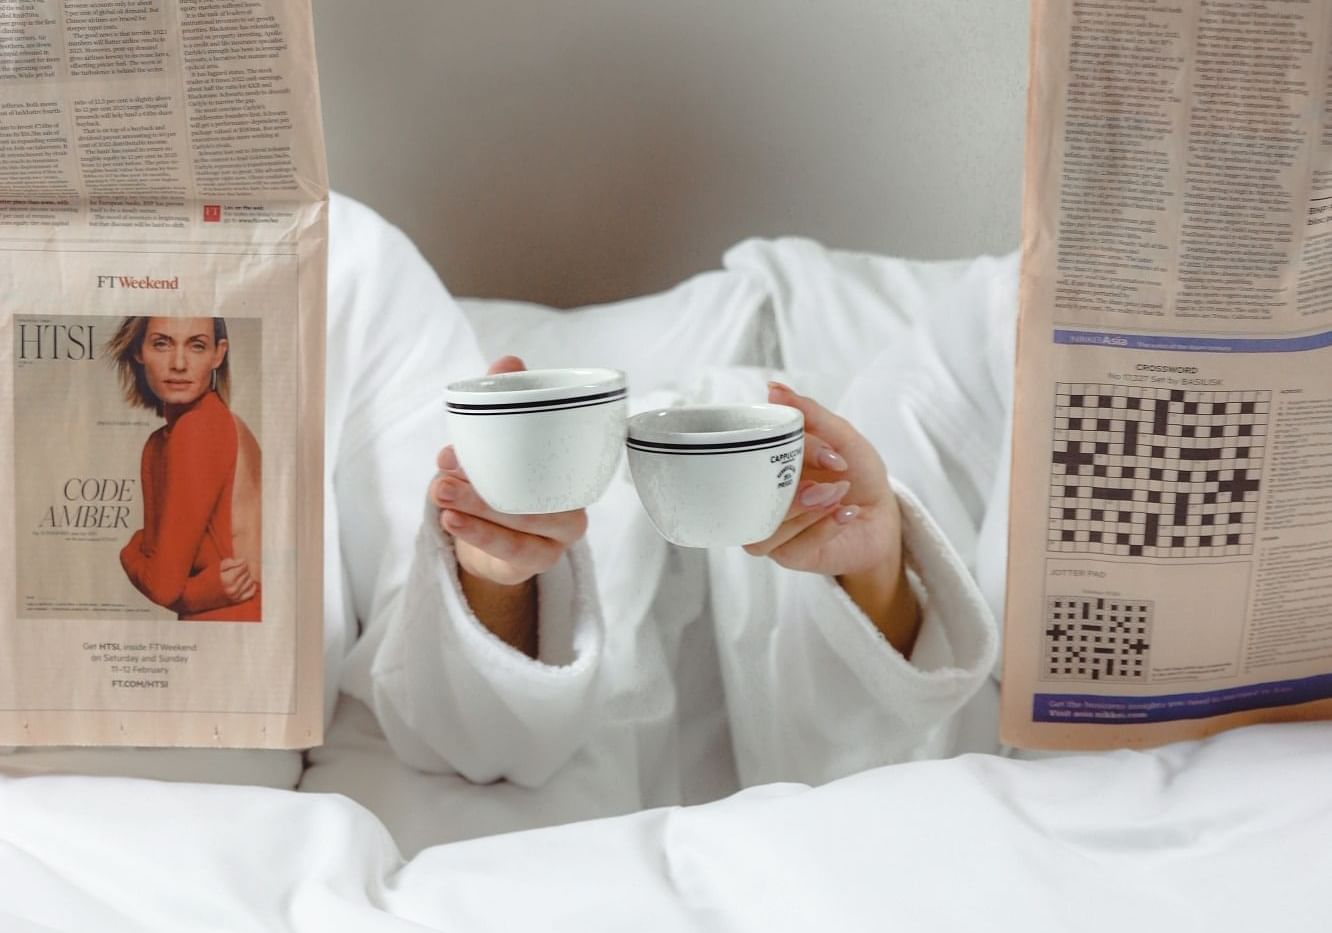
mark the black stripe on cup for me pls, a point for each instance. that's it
(522, 408)
(696, 450)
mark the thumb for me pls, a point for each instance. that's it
(506, 364)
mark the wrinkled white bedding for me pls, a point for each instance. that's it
(1228, 834)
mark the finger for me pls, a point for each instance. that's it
(453, 492)
(249, 593)
(820, 455)
(833, 430)
(506, 364)
(790, 528)
(229, 563)
(531, 554)
(815, 496)
(447, 459)
(804, 549)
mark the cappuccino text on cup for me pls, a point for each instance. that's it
(716, 475)
(540, 441)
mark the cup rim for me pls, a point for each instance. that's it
(786, 425)
(502, 393)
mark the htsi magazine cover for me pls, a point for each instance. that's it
(139, 467)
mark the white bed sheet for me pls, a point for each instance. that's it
(1227, 834)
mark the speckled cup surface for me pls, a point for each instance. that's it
(716, 475)
(541, 441)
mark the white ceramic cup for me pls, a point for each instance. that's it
(541, 441)
(716, 475)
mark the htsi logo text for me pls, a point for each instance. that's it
(40, 340)
(129, 281)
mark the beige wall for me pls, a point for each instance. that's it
(570, 151)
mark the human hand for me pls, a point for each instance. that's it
(495, 546)
(844, 518)
(237, 583)
(845, 521)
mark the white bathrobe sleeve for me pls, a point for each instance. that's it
(814, 692)
(448, 694)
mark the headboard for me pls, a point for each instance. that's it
(588, 150)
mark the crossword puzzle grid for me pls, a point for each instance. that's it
(1144, 472)
(1096, 639)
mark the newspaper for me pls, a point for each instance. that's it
(1170, 550)
(163, 248)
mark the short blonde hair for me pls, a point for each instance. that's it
(128, 341)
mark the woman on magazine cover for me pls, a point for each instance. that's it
(198, 553)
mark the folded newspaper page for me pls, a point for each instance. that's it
(163, 242)
(1170, 550)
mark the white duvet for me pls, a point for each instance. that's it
(1234, 833)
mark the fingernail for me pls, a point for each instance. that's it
(847, 514)
(449, 458)
(781, 387)
(453, 520)
(830, 459)
(823, 494)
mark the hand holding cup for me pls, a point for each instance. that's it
(501, 547)
(844, 518)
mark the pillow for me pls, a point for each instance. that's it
(713, 319)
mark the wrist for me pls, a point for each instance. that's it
(508, 610)
(884, 594)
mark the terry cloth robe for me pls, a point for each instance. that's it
(665, 676)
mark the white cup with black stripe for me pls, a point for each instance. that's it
(716, 475)
(539, 441)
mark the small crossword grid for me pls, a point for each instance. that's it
(1144, 472)
(1088, 638)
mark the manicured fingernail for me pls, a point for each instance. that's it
(816, 495)
(830, 459)
(823, 494)
(847, 514)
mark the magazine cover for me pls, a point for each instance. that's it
(158, 499)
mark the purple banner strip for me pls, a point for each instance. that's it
(1195, 344)
(1086, 708)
